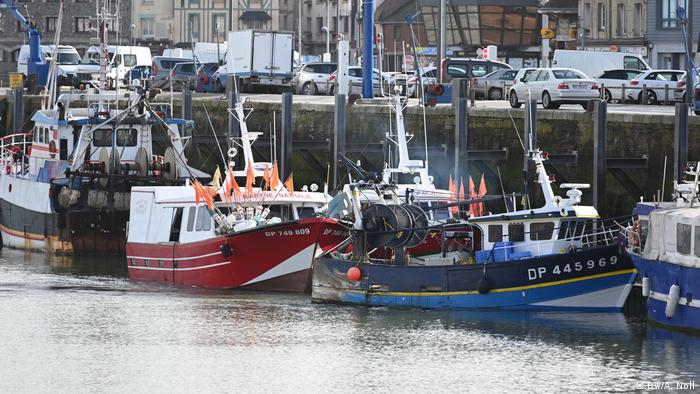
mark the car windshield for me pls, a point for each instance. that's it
(68, 58)
(567, 74)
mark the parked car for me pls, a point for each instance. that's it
(67, 62)
(121, 60)
(553, 87)
(659, 84)
(679, 94)
(612, 81)
(183, 76)
(142, 73)
(355, 76)
(493, 85)
(428, 75)
(469, 68)
(206, 82)
(161, 66)
(312, 78)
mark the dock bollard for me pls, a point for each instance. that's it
(622, 94)
(602, 92)
(665, 94)
(644, 94)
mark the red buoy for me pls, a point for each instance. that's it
(354, 274)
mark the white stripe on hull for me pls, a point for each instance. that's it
(173, 259)
(178, 269)
(596, 299)
(298, 262)
(681, 300)
(13, 241)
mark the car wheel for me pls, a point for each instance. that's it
(330, 90)
(513, 100)
(309, 89)
(607, 96)
(651, 97)
(495, 94)
(547, 101)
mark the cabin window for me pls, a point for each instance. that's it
(305, 212)
(125, 137)
(175, 225)
(516, 232)
(190, 218)
(541, 231)
(683, 238)
(203, 220)
(644, 229)
(696, 248)
(495, 233)
(565, 229)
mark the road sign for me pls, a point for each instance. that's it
(408, 60)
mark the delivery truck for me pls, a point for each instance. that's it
(260, 60)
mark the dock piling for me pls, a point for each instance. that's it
(186, 103)
(460, 102)
(286, 139)
(680, 141)
(600, 133)
(339, 137)
(18, 110)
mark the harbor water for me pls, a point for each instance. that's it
(78, 325)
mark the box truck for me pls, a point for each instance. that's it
(259, 59)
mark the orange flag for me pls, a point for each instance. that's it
(482, 193)
(266, 178)
(275, 177)
(453, 191)
(289, 184)
(233, 185)
(473, 209)
(461, 190)
(198, 192)
(208, 200)
(249, 179)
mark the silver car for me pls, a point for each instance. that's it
(312, 78)
(553, 87)
(355, 76)
(492, 86)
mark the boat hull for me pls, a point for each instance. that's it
(661, 276)
(28, 221)
(271, 258)
(596, 280)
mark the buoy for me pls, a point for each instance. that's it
(354, 274)
(672, 300)
(483, 286)
(645, 286)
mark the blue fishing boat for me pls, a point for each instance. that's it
(560, 256)
(664, 244)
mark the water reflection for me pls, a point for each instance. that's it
(80, 324)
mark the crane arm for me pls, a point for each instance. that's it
(34, 64)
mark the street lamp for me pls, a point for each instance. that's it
(328, 38)
(133, 27)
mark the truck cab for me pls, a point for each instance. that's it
(68, 61)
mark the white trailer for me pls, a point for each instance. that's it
(260, 58)
(595, 63)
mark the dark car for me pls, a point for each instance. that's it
(469, 68)
(142, 73)
(207, 79)
(183, 76)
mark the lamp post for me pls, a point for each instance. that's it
(328, 41)
(133, 41)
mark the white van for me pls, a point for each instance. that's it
(121, 60)
(68, 62)
(595, 63)
(207, 52)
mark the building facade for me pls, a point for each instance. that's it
(666, 48)
(210, 20)
(617, 25)
(397, 35)
(317, 14)
(76, 27)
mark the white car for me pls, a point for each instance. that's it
(553, 87)
(355, 76)
(612, 81)
(656, 82)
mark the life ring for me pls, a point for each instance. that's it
(634, 233)
(52, 149)
(437, 90)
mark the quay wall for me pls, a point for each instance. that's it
(648, 138)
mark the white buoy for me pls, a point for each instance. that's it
(672, 300)
(645, 286)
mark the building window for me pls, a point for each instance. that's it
(638, 19)
(601, 17)
(621, 19)
(147, 28)
(319, 23)
(218, 27)
(586, 18)
(193, 27)
(668, 12)
(51, 23)
(82, 24)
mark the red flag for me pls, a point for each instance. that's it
(266, 177)
(275, 177)
(453, 191)
(482, 193)
(249, 179)
(473, 210)
(289, 184)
